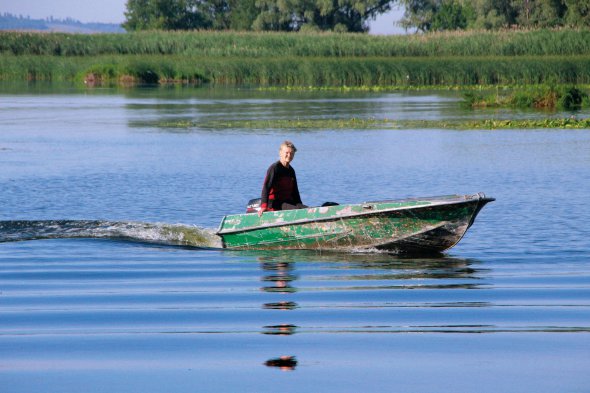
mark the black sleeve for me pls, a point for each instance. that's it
(266, 186)
(296, 196)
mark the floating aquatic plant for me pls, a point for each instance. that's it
(372, 123)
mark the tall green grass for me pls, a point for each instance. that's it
(543, 97)
(263, 45)
(289, 59)
(292, 71)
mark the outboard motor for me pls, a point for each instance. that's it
(253, 205)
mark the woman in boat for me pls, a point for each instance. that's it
(280, 191)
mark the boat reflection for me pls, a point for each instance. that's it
(283, 258)
(366, 287)
(317, 280)
(377, 266)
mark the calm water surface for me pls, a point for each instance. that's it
(121, 310)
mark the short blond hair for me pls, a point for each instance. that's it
(288, 144)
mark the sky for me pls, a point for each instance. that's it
(112, 11)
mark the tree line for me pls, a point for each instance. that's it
(440, 15)
(255, 15)
(352, 15)
(9, 21)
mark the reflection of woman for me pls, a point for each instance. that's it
(280, 191)
(281, 279)
(285, 363)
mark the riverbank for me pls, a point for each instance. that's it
(283, 59)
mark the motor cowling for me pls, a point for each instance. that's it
(253, 205)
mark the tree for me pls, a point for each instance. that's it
(436, 15)
(427, 15)
(167, 15)
(322, 15)
(242, 14)
(282, 15)
(492, 14)
(419, 14)
(539, 13)
(452, 16)
(577, 13)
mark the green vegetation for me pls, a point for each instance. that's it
(352, 15)
(438, 15)
(292, 71)
(566, 42)
(287, 59)
(259, 15)
(542, 97)
(372, 123)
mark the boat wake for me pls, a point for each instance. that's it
(153, 233)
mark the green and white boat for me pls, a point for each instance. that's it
(417, 225)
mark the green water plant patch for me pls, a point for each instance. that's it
(540, 97)
(370, 123)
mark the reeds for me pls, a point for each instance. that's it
(231, 44)
(539, 97)
(289, 59)
(301, 71)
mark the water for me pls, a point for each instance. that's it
(123, 292)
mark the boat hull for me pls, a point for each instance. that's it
(406, 226)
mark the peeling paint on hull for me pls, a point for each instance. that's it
(421, 225)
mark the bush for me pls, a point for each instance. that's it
(572, 98)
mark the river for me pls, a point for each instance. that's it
(94, 296)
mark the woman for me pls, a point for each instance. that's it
(280, 191)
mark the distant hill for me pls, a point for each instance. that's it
(69, 25)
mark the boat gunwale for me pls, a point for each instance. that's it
(436, 201)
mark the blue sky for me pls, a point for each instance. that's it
(111, 11)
